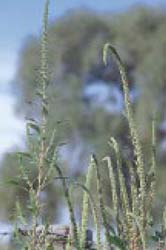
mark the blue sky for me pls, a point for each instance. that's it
(18, 19)
(21, 17)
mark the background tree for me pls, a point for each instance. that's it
(75, 64)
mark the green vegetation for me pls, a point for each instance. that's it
(123, 202)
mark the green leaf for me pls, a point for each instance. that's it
(155, 238)
(49, 247)
(39, 93)
(31, 120)
(45, 109)
(34, 126)
(118, 242)
(24, 154)
(14, 182)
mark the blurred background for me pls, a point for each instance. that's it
(86, 99)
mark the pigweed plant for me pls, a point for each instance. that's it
(127, 227)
